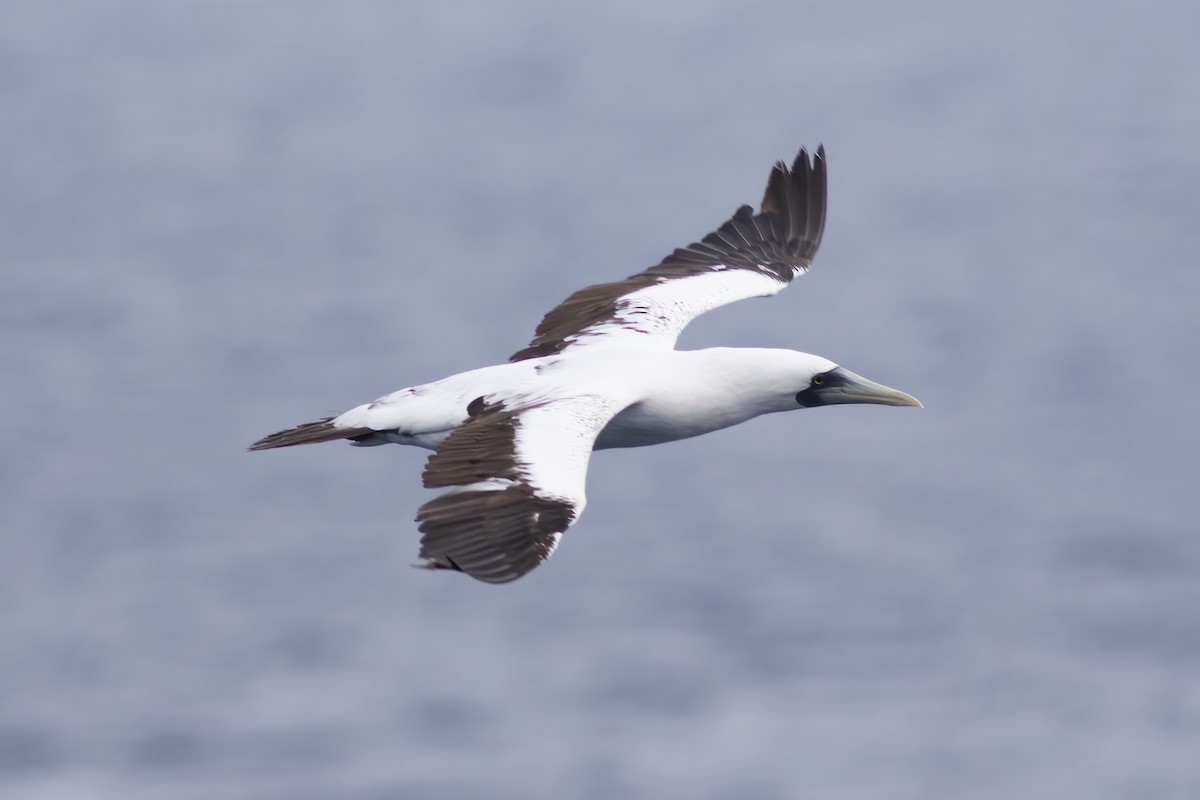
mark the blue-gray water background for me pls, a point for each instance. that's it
(220, 218)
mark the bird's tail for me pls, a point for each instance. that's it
(309, 433)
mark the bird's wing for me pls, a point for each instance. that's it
(751, 255)
(519, 475)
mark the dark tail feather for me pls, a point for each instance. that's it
(309, 433)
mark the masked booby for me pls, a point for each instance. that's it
(512, 441)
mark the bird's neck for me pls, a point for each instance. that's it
(700, 391)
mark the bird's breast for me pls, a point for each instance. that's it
(650, 422)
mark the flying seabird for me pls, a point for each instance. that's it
(511, 442)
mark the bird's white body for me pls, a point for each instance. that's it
(663, 395)
(511, 442)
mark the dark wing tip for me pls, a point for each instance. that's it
(495, 535)
(795, 202)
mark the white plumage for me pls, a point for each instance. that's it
(512, 441)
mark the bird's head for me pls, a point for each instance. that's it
(780, 380)
(826, 384)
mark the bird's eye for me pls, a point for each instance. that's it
(818, 380)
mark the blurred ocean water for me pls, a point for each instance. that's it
(218, 219)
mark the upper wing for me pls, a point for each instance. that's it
(751, 255)
(521, 475)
